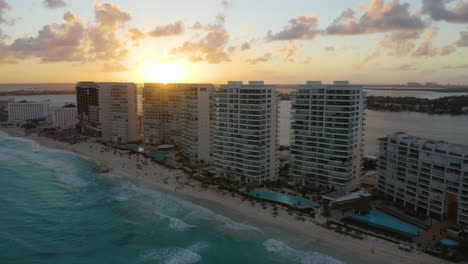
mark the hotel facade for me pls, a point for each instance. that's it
(428, 176)
(327, 129)
(123, 112)
(23, 110)
(195, 121)
(108, 110)
(88, 108)
(161, 113)
(178, 114)
(64, 117)
(245, 132)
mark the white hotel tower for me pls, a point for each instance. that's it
(327, 128)
(426, 175)
(245, 132)
(123, 112)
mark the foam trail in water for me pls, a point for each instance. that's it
(175, 255)
(303, 257)
(175, 223)
(174, 206)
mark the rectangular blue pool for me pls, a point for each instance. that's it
(387, 222)
(159, 156)
(449, 243)
(295, 201)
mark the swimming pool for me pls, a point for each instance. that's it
(449, 243)
(295, 201)
(132, 147)
(159, 156)
(381, 220)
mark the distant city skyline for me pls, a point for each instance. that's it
(367, 41)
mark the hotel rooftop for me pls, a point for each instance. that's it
(428, 144)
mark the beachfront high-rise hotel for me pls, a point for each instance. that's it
(108, 110)
(245, 132)
(427, 176)
(179, 114)
(327, 128)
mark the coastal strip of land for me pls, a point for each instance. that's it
(137, 167)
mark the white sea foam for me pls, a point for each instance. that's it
(175, 223)
(179, 208)
(63, 171)
(175, 255)
(304, 257)
(121, 198)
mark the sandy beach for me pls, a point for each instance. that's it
(137, 167)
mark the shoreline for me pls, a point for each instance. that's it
(135, 167)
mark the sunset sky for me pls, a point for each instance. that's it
(278, 41)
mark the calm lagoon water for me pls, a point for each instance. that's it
(56, 209)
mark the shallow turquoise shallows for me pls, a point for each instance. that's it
(55, 209)
(295, 201)
(379, 219)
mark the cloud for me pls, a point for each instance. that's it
(4, 8)
(110, 16)
(329, 48)
(6, 55)
(463, 41)
(307, 60)
(374, 55)
(136, 36)
(3, 36)
(303, 27)
(176, 28)
(114, 67)
(290, 51)
(105, 43)
(438, 10)
(211, 45)
(243, 47)
(379, 17)
(454, 67)
(426, 49)
(406, 67)
(55, 42)
(404, 43)
(54, 3)
(400, 43)
(264, 58)
(74, 39)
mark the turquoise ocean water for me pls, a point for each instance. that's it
(55, 209)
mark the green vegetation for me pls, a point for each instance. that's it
(455, 105)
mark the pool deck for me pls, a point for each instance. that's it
(291, 200)
(385, 221)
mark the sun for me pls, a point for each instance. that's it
(157, 71)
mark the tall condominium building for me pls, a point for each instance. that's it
(108, 110)
(327, 128)
(161, 113)
(195, 121)
(24, 110)
(87, 98)
(245, 132)
(123, 112)
(64, 117)
(178, 114)
(428, 176)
